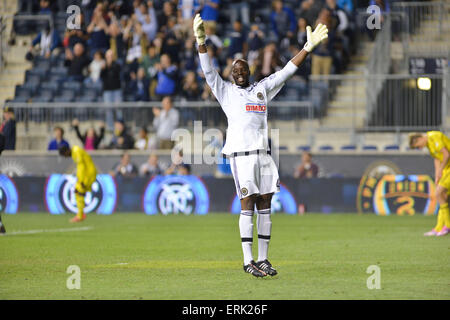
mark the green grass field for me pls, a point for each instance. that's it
(134, 256)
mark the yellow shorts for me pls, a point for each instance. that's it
(445, 180)
(85, 185)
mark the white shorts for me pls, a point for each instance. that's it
(254, 174)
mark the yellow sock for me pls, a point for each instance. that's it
(443, 214)
(80, 205)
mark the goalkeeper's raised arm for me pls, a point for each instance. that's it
(313, 39)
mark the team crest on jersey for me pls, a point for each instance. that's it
(255, 108)
(244, 191)
(260, 96)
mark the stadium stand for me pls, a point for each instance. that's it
(338, 100)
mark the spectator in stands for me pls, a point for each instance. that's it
(189, 56)
(165, 122)
(125, 168)
(48, 41)
(255, 44)
(112, 89)
(58, 140)
(283, 21)
(238, 41)
(163, 17)
(347, 5)
(309, 10)
(76, 62)
(74, 36)
(268, 62)
(307, 169)
(116, 41)
(139, 86)
(178, 167)
(8, 129)
(136, 41)
(97, 30)
(121, 139)
(186, 11)
(44, 7)
(322, 56)
(95, 68)
(151, 167)
(146, 16)
(149, 60)
(301, 32)
(210, 12)
(142, 143)
(91, 139)
(240, 10)
(172, 41)
(166, 77)
(191, 90)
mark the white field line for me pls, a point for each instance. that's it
(47, 230)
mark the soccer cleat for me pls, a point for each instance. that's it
(266, 267)
(2, 229)
(443, 232)
(252, 269)
(430, 233)
(76, 219)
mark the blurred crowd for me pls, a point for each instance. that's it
(145, 50)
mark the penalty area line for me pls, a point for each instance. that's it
(47, 230)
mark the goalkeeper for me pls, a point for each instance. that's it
(86, 175)
(254, 171)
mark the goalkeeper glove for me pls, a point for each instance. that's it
(314, 38)
(199, 30)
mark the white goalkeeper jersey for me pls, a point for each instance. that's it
(245, 108)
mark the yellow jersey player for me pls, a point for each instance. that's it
(86, 175)
(439, 146)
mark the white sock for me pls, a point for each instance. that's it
(246, 231)
(264, 225)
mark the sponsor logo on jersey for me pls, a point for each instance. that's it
(255, 108)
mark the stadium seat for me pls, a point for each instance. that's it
(370, 148)
(66, 95)
(391, 147)
(50, 85)
(349, 147)
(43, 95)
(22, 91)
(326, 148)
(72, 85)
(303, 148)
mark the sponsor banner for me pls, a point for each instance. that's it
(282, 201)
(60, 194)
(176, 194)
(397, 194)
(9, 198)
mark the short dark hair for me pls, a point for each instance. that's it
(63, 150)
(60, 129)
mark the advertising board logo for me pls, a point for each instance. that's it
(9, 198)
(397, 194)
(282, 201)
(176, 194)
(60, 194)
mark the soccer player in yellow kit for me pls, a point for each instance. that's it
(439, 146)
(86, 175)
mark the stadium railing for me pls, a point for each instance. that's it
(403, 102)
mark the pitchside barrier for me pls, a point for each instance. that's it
(189, 195)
